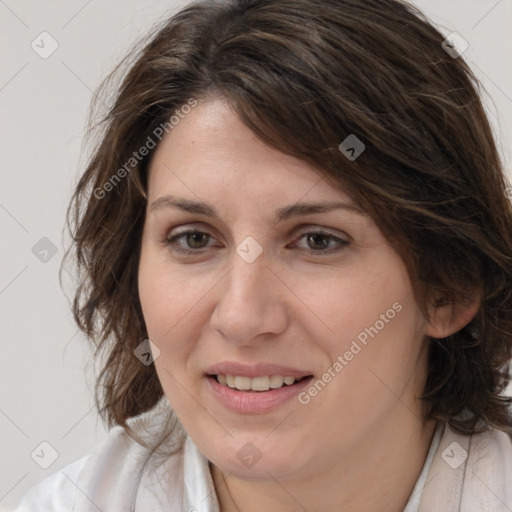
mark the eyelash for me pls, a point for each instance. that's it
(172, 242)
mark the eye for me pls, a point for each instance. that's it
(195, 241)
(320, 240)
(193, 237)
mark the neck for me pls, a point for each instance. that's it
(376, 476)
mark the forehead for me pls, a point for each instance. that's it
(211, 149)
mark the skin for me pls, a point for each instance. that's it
(361, 443)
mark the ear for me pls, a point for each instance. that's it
(448, 317)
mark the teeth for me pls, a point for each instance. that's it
(260, 384)
(243, 383)
(255, 384)
(276, 381)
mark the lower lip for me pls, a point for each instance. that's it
(253, 402)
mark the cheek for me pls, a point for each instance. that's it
(165, 304)
(374, 327)
(346, 305)
(174, 314)
(368, 381)
(165, 296)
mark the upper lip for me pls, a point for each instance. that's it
(255, 370)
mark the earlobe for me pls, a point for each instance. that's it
(448, 317)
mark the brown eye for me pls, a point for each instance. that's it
(194, 241)
(318, 242)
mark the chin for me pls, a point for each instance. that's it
(252, 464)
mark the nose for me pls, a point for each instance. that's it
(251, 301)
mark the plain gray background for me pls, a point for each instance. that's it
(45, 395)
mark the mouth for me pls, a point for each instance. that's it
(255, 389)
(259, 384)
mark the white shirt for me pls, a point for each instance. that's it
(461, 473)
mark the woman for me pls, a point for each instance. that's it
(295, 253)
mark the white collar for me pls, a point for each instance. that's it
(199, 490)
(483, 481)
(109, 478)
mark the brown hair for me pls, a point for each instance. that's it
(303, 75)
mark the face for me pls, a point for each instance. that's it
(247, 291)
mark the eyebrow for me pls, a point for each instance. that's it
(282, 214)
